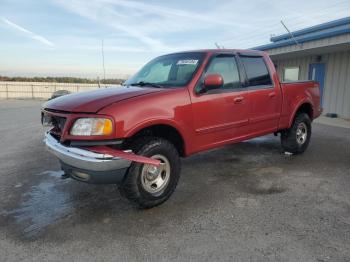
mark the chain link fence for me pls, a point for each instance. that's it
(41, 90)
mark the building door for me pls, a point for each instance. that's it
(317, 73)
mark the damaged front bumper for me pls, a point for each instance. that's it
(97, 165)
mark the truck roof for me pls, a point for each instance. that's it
(225, 50)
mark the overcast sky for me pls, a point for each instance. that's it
(63, 37)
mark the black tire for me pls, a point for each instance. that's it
(289, 138)
(133, 187)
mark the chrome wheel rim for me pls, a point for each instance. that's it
(155, 178)
(301, 133)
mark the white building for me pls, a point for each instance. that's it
(320, 53)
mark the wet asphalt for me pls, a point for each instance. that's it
(243, 202)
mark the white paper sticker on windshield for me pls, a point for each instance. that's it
(187, 62)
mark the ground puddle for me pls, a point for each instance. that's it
(43, 205)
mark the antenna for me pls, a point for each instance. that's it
(290, 33)
(103, 63)
(218, 46)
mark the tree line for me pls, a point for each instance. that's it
(75, 80)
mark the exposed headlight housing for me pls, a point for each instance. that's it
(92, 127)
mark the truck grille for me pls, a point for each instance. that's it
(58, 123)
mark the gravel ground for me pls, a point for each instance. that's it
(243, 202)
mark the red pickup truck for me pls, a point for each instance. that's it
(176, 105)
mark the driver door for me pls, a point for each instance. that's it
(221, 115)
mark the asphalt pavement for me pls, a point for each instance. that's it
(243, 202)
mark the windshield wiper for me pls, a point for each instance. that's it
(142, 83)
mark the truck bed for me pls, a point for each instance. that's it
(291, 93)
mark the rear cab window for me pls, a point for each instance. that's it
(256, 71)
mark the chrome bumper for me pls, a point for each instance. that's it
(84, 159)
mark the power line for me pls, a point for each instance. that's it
(254, 35)
(266, 32)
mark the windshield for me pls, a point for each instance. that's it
(168, 70)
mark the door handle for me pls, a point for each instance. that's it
(238, 99)
(272, 94)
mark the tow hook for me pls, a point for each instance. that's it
(65, 176)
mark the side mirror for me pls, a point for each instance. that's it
(213, 81)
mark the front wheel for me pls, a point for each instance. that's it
(149, 185)
(297, 138)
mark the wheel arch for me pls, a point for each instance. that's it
(164, 129)
(303, 107)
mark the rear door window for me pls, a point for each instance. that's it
(256, 70)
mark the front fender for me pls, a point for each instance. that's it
(153, 122)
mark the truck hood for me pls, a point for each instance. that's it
(93, 101)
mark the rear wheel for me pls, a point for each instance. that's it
(297, 138)
(149, 185)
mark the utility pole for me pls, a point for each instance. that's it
(103, 63)
(98, 82)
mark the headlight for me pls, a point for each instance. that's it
(92, 127)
